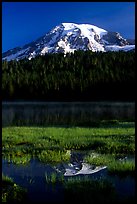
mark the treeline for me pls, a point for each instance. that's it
(82, 76)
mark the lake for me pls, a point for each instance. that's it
(58, 113)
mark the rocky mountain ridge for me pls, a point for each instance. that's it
(68, 37)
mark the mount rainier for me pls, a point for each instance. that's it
(68, 37)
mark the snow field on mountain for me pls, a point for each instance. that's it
(68, 37)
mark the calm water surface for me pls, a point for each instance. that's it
(58, 113)
(32, 177)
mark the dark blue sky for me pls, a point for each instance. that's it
(23, 22)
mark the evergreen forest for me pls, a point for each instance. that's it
(78, 76)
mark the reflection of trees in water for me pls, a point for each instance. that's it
(65, 114)
(8, 115)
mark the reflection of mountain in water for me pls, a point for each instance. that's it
(32, 177)
(78, 169)
(77, 166)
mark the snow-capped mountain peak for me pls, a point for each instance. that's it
(68, 37)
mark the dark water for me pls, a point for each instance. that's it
(32, 177)
(72, 113)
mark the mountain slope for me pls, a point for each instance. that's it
(68, 37)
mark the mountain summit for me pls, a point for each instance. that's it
(68, 37)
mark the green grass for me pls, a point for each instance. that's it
(53, 144)
(121, 167)
(105, 143)
(20, 158)
(11, 192)
(99, 159)
(54, 178)
(51, 156)
(6, 179)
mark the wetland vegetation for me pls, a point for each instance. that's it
(11, 192)
(53, 150)
(54, 143)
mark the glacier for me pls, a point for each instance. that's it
(68, 37)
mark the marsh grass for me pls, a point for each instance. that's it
(17, 157)
(7, 179)
(54, 178)
(121, 167)
(99, 159)
(51, 144)
(82, 189)
(109, 141)
(24, 159)
(89, 190)
(11, 192)
(54, 156)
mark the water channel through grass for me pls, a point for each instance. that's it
(61, 164)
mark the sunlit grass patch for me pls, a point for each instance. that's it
(24, 159)
(53, 156)
(122, 168)
(17, 157)
(113, 146)
(99, 159)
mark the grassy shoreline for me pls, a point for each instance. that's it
(53, 144)
(107, 143)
